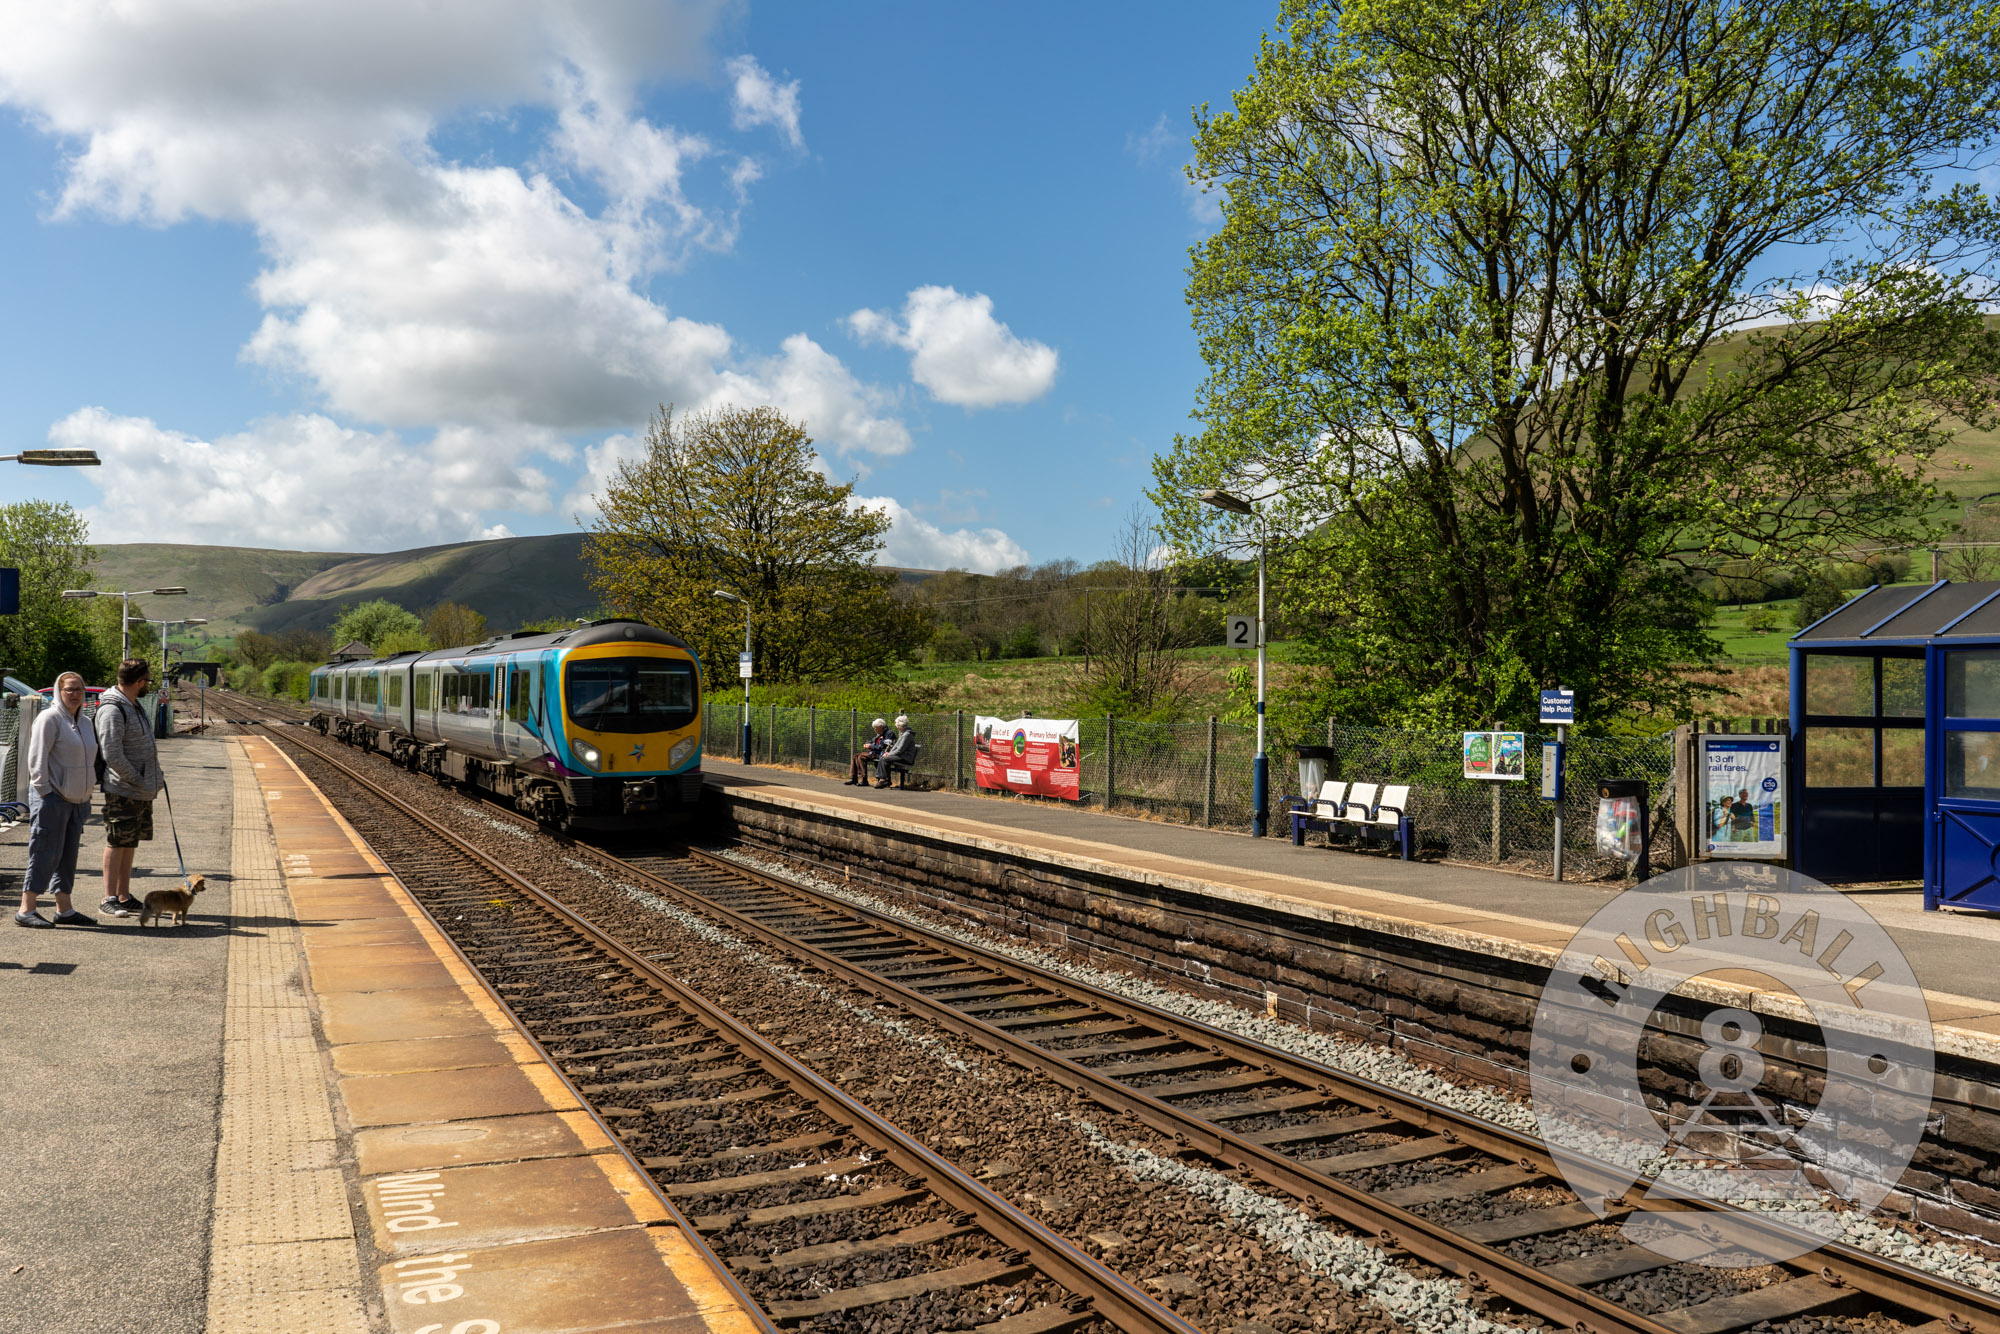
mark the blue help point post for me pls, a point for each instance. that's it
(1558, 707)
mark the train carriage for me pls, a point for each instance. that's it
(598, 727)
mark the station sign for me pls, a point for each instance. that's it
(1242, 632)
(743, 668)
(1559, 706)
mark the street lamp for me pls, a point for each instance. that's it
(125, 617)
(1260, 767)
(746, 667)
(55, 458)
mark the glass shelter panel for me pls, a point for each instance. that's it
(1902, 755)
(1841, 685)
(1902, 691)
(1840, 756)
(1972, 683)
(1972, 765)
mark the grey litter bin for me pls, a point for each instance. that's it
(1315, 767)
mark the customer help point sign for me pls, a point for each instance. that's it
(1037, 756)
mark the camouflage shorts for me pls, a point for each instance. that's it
(127, 822)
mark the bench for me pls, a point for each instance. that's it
(899, 770)
(1357, 809)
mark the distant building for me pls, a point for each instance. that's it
(353, 652)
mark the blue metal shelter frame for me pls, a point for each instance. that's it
(1895, 720)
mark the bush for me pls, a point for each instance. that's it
(1760, 620)
(287, 678)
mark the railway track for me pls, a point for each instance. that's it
(1420, 1178)
(745, 1144)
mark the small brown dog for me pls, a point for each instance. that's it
(176, 901)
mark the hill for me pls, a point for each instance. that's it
(508, 580)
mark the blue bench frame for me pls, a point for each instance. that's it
(1300, 809)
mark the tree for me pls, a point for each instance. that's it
(50, 544)
(257, 649)
(303, 645)
(1138, 627)
(1523, 319)
(453, 625)
(733, 499)
(382, 625)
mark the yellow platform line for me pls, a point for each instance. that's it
(282, 1248)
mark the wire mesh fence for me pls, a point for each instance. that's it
(1200, 774)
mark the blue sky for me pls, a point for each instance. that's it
(369, 276)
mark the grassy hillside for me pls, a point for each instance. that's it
(509, 580)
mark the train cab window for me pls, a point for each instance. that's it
(630, 694)
(395, 692)
(420, 691)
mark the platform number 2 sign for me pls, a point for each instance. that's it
(1242, 632)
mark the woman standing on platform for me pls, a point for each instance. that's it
(62, 763)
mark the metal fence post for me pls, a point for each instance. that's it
(1208, 799)
(853, 734)
(771, 749)
(812, 736)
(958, 748)
(1110, 762)
(1496, 822)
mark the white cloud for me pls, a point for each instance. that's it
(958, 351)
(1148, 147)
(762, 100)
(918, 543)
(299, 482)
(408, 289)
(811, 385)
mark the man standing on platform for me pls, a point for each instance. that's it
(132, 779)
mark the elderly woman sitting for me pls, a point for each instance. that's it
(902, 752)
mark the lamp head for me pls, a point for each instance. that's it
(59, 458)
(1222, 500)
(733, 597)
(166, 592)
(78, 594)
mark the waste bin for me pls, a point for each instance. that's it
(1624, 822)
(163, 719)
(1315, 767)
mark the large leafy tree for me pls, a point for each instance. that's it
(734, 499)
(382, 625)
(50, 544)
(1525, 315)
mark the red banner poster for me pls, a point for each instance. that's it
(1037, 756)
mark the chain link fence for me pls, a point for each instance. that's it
(1200, 774)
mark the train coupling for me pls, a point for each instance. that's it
(642, 796)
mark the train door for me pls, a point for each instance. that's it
(498, 713)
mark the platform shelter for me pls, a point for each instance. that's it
(1895, 702)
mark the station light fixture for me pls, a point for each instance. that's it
(55, 458)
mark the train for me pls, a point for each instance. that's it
(596, 727)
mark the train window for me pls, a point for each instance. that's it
(395, 692)
(420, 693)
(518, 679)
(371, 689)
(630, 694)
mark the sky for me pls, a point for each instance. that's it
(373, 275)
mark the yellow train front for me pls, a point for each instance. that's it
(593, 728)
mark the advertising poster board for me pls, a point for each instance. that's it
(1034, 756)
(1496, 755)
(1742, 796)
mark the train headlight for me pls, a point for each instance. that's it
(682, 752)
(586, 754)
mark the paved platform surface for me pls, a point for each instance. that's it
(1952, 953)
(301, 1111)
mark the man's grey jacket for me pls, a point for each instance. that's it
(125, 740)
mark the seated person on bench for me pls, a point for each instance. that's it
(857, 769)
(902, 752)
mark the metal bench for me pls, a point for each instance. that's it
(1357, 808)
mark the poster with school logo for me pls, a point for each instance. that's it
(1034, 756)
(1743, 796)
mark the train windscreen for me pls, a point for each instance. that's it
(630, 694)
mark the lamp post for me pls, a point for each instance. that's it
(55, 458)
(1260, 766)
(746, 667)
(191, 620)
(125, 617)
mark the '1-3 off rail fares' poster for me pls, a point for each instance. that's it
(1037, 756)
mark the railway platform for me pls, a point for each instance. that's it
(302, 1110)
(1495, 911)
